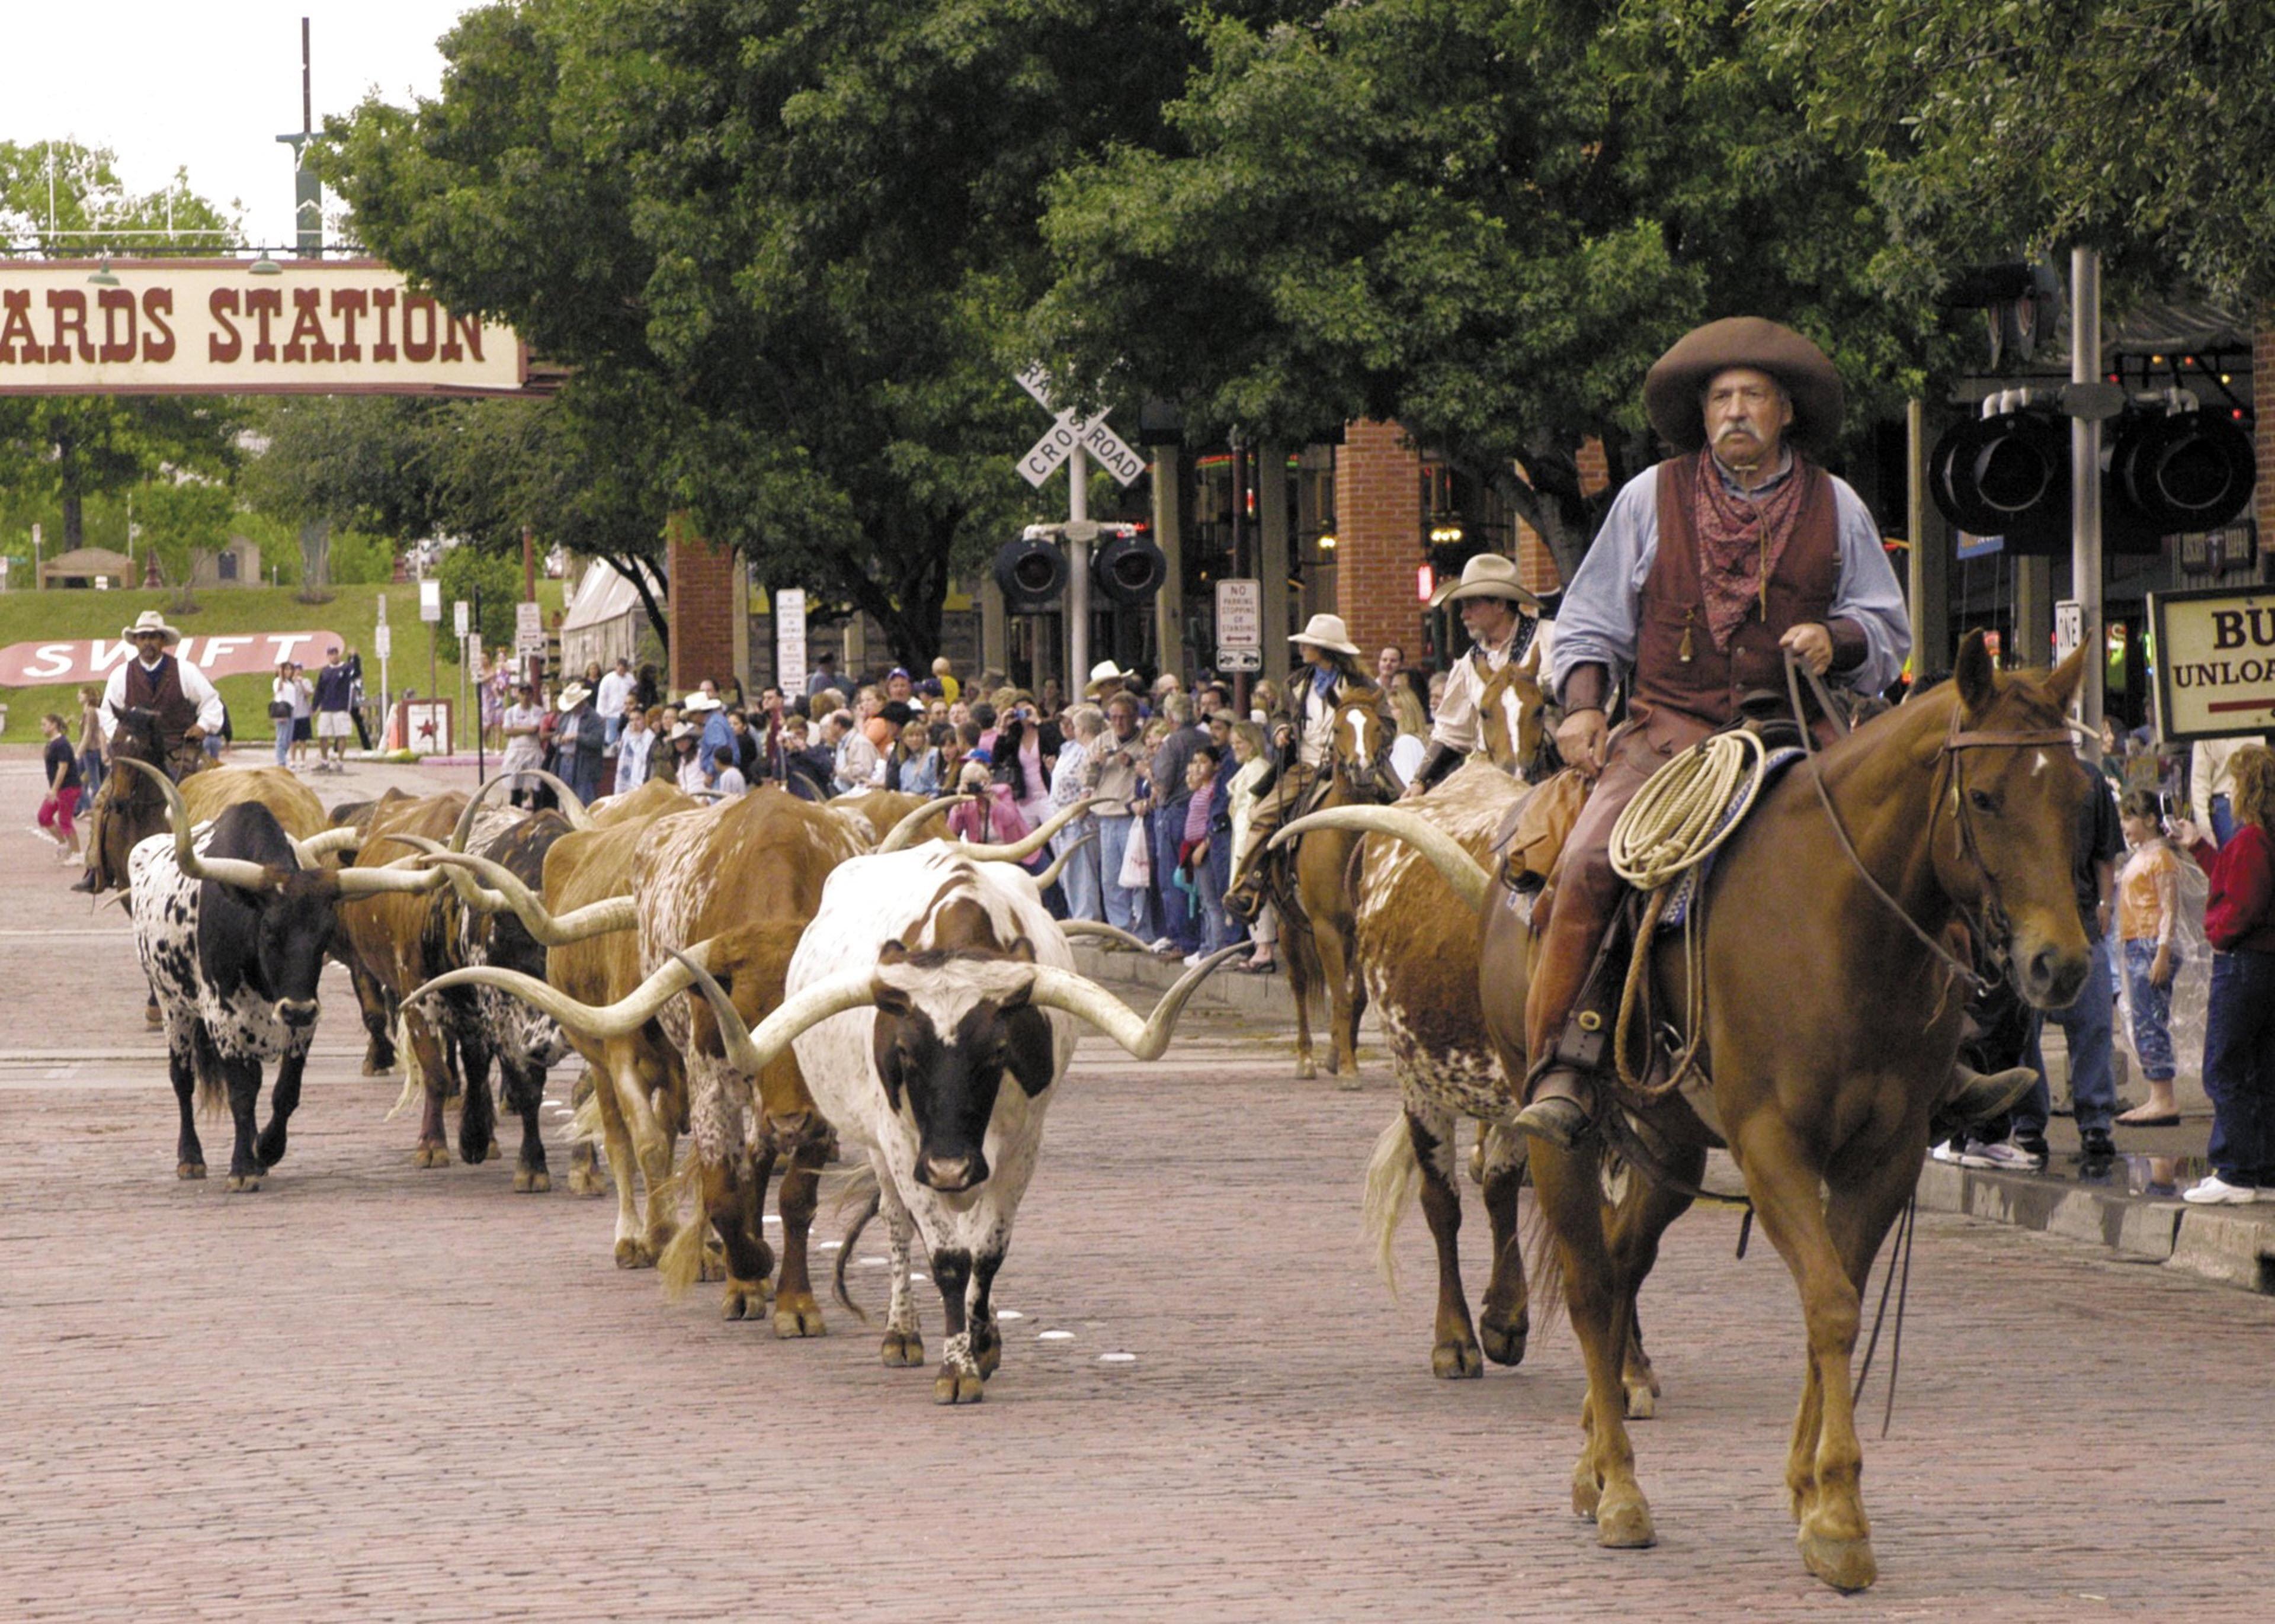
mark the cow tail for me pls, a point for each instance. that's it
(585, 1123)
(1393, 1181)
(863, 1185)
(681, 1264)
(414, 1078)
(213, 1088)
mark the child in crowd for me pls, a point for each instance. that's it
(726, 777)
(60, 762)
(2148, 913)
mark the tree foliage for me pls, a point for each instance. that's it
(1481, 218)
(785, 243)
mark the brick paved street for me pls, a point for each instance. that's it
(369, 1391)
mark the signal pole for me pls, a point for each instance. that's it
(1079, 534)
(2085, 490)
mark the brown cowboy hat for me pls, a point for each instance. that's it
(1488, 575)
(1671, 391)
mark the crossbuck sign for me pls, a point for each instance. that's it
(1059, 441)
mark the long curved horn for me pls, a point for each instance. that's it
(228, 871)
(572, 807)
(749, 1051)
(612, 913)
(395, 879)
(465, 824)
(470, 892)
(1079, 996)
(1020, 850)
(620, 1019)
(905, 831)
(1059, 862)
(1463, 871)
(1105, 932)
(347, 838)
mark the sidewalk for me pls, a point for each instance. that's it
(2132, 1207)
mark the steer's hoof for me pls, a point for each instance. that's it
(636, 1252)
(1305, 1067)
(431, 1156)
(1643, 1398)
(953, 1387)
(1623, 1519)
(587, 1180)
(532, 1181)
(189, 1169)
(1456, 1361)
(244, 1184)
(796, 1318)
(902, 1349)
(742, 1299)
(1504, 1344)
(1844, 1564)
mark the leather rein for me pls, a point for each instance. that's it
(1989, 920)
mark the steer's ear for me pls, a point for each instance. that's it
(1028, 1050)
(894, 952)
(1021, 950)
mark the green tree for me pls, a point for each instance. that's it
(61, 200)
(785, 243)
(2139, 127)
(180, 518)
(1481, 218)
(467, 571)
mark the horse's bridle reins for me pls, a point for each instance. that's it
(1991, 923)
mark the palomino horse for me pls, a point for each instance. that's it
(1831, 1018)
(1313, 891)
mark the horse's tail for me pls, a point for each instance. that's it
(1544, 1267)
(1394, 1181)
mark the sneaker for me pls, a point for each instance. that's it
(2030, 1144)
(2007, 1156)
(2217, 1192)
(1946, 1152)
(1195, 957)
(1162, 945)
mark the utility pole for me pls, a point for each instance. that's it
(1080, 532)
(307, 191)
(2085, 488)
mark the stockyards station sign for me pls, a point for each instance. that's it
(2215, 662)
(214, 326)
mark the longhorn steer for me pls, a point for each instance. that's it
(925, 982)
(232, 922)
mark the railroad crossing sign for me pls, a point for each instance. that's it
(1064, 437)
(1239, 625)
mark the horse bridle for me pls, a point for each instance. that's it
(1988, 919)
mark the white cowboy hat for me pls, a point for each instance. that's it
(698, 701)
(1327, 631)
(150, 620)
(574, 695)
(1488, 575)
(682, 729)
(1105, 674)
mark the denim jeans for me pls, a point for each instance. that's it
(2239, 1066)
(2089, 1027)
(1125, 909)
(1079, 878)
(1215, 928)
(1220, 867)
(1174, 907)
(92, 772)
(283, 740)
(2152, 1008)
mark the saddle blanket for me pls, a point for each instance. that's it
(1687, 888)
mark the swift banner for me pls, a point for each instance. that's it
(31, 665)
(211, 326)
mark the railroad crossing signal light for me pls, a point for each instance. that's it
(1128, 569)
(1032, 573)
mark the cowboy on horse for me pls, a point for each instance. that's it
(1501, 617)
(1711, 570)
(154, 693)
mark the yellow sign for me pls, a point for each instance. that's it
(192, 327)
(2215, 662)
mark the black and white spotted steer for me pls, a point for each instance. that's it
(231, 921)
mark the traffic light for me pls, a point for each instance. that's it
(1128, 568)
(2007, 475)
(1032, 573)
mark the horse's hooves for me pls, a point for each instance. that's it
(431, 1156)
(244, 1184)
(1623, 1521)
(189, 1169)
(1504, 1344)
(1844, 1564)
(634, 1253)
(901, 1348)
(1642, 1401)
(802, 1320)
(1456, 1361)
(953, 1387)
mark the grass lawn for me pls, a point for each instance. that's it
(59, 617)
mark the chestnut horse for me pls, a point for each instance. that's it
(1832, 1016)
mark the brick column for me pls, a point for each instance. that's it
(703, 603)
(1378, 539)
(2263, 408)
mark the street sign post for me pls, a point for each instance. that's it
(790, 642)
(2069, 628)
(1074, 441)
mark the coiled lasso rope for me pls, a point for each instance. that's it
(1685, 809)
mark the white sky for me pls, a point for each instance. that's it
(208, 85)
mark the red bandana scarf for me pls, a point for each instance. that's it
(1740, 542)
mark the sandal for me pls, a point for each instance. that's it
(2170, 1119)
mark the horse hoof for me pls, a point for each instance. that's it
(1623, 1521)
(431, 1156)
(1504, 1344)
(475, 1155)
(189, 1169)
(1643, 1401)
(1844, 1564)
(527, 1182)
(952, 1386)
(634, 1253)
(269, 1154)
(1456, 1362)
(902, 1349)
(798, 1320)
(244, 1184)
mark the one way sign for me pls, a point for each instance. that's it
(1058, 441)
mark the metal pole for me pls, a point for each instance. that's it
(474, 644)
(2085, 488)
(1078, 551)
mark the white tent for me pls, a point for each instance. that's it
(605, 618)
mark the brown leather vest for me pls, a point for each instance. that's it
(161, 691)
(1677, 666)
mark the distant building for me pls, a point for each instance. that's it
(235, 564)
(85, 567)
